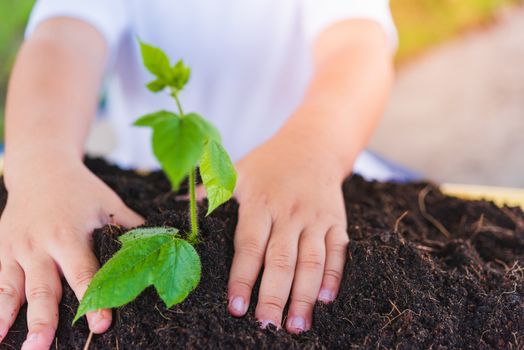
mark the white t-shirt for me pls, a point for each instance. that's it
(250, 60)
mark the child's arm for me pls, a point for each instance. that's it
(54, 202)
(292, 218)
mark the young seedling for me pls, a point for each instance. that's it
(160, 256)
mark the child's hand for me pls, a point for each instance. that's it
(292, 220)
(45, 231)
(292, 217)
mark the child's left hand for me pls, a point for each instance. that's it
(292, 220)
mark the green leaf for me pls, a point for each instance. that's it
(147, 257)
(174, 286)
(178, 145)
(218, 174)
(204, 125)
(180, 74)
(146, 232)
(156, 85)
(155, 118)
(156, 61)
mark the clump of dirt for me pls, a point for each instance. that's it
(423, 271)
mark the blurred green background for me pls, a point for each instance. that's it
(421, 24)
(14, 14)
(424, 23)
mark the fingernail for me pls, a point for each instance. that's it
(97, 317)
(265, 323)
(31, 339)
(326, 296)
(98, 322)
(238, 305)
(298, 323)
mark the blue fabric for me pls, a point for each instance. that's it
(397, 172)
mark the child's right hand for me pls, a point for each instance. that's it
(45, 231)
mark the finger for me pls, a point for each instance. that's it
(43, 293)
(11, 295)
(308, 277)
(126, 217)
(280, 262)
(200, 194)
(79, 265)
(336, 253)
(251, 238)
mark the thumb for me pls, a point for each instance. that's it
(123, 216)
(200, 194)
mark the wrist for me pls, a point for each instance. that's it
(315, 152)
(323, 139)
(32, 162)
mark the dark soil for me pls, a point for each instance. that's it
(407, 285)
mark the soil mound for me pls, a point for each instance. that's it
(423, 271)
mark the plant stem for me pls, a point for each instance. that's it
(193, 206)
(175, 96)
(192, 186)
